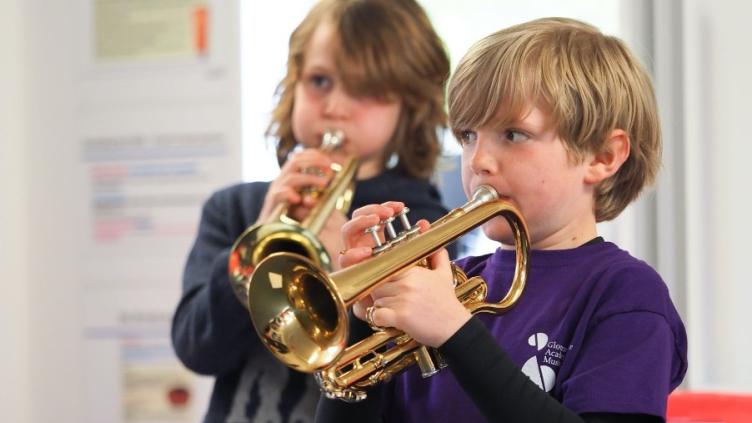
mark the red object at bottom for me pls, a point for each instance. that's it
(709, 407)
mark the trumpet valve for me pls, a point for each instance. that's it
(402, 216)
(408, 230)
(389, 228)
(391, 237)
(374, 231)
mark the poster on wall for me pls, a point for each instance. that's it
(158, 131)
(145, 173)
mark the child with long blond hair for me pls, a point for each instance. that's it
(373, 70)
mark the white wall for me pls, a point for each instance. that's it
(15, 308)
(55, 348)
(264, 40)
(717, 89)
(39, 295)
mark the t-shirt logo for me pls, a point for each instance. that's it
(542, 375)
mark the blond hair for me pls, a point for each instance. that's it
(589, 83)
(387, 49)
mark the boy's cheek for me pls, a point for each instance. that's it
(467, 181)
(301, 131)
(498, 229)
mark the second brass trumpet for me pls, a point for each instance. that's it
(282, 233)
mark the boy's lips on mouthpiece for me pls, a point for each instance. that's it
(501, 194)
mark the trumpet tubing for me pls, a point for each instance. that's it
(387, 352)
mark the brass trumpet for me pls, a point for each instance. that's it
(300, 312)
(281, 233)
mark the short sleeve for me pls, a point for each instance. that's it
(626, 365)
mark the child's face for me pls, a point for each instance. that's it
(527, 162)
(321, 103)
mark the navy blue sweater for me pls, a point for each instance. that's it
(212, 332)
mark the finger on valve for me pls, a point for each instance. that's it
(353, 232)
(383, 210)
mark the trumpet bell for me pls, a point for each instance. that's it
(297, 311)
(260, 241)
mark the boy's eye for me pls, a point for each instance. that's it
(514, 136)
(467, 136)
(320, 81)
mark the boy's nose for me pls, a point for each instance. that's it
(338, 104)
(482, 160)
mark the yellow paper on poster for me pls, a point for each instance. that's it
(150, 29)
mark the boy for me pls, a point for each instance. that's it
(561, 120)
(351, 67)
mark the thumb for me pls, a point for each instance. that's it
(440, 259)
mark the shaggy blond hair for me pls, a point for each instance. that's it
(386, 49)
(587, 82)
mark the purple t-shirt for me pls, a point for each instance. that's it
(595, 328)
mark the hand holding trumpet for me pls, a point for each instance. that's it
(300, 310)
(420, 300)
(293, 178)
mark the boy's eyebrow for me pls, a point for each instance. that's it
(505, 122)
(508, 114)
(314, 67)
(519, 123)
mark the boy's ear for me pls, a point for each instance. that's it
(608, 161)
